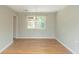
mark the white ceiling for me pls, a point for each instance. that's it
(37, 8)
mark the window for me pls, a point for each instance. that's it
(36, 22)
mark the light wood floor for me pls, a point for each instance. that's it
(36, 46)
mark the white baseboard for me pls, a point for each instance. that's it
(6, 46)
(35, 38)
(66, 46)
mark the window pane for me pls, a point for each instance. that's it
(31, 25)
(37, 22)
(42, 22)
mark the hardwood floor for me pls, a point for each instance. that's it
(36, 46)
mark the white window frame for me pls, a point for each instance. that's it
(34, 23)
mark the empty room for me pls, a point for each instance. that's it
(39, 29)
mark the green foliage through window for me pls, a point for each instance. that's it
(36, 22)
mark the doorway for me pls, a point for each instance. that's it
(14, 27)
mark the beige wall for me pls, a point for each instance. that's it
(48, 32)
(68, 27)
(6, 26)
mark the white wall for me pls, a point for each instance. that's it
(48, 32)
(6, 26)
(68, 27)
